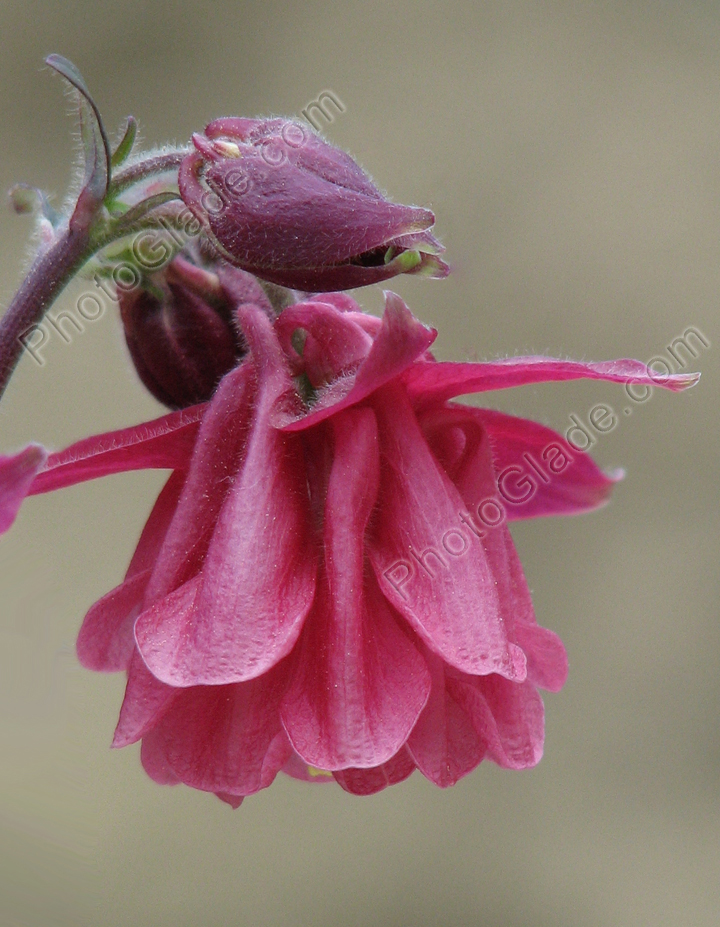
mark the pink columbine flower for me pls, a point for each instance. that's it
(283, 204)
(327, 585)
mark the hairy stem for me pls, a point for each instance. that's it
(48, 276)
(156, 165)
(76, 243)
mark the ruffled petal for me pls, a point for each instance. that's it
(223, 738)
(333, 344)
(360, 683)
(370, 781)
(444, 743)
(344, 302)
(106, 642)
(429, 383)
(233, 800)
(16, 476)
(245, 610)
(298, 769)
(537, 472)
(546, 656)
(164, 444)
(146, 701)
(430, 565)
(509, 716)
(469, 463)
(154, 760)
(156, 527)
(219, 451)
(399, 342)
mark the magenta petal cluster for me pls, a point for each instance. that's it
(280, 202)
(327, 584)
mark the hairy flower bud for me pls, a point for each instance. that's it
(285, 205)
(179, 328)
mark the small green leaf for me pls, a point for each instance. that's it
(125, 145)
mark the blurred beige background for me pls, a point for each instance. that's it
(571, 152)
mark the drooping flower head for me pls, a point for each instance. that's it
(327, 584)
(283, 204)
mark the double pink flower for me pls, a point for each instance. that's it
(327, 584)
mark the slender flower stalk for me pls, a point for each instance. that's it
(46, 279)
(68, 242)
(139, 171)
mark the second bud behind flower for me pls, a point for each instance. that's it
(179, 328)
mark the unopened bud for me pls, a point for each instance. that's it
(281, 203)
(179, 329)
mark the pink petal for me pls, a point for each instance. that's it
(370, 324)
(233, 800)
(16, 475)
(360, 684)
(219, 451)
(431, 566)
(277, 757)
(154, 760)
(537, 471)
(157, 525)
(342, 301)
(429, 383)
(546, 656)
(223, 738)
(244, 611)
(106, 642)
(370, 781)
(444, 743)
(399, 342)
(508, 715)
(297, 769)
(146, 701)
(333, 344)
(471, 469)
(166, 443)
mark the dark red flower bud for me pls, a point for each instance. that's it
(179, 328)
(285, 205)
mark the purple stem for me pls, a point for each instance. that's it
(140, 170)
(54, 268)
(46, 279)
